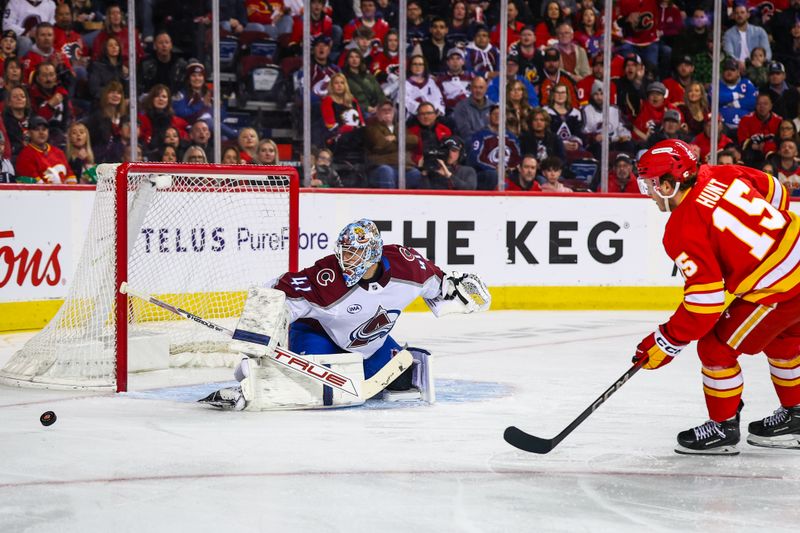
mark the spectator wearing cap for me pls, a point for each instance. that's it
(785, 99)
(758, 132)
(472, 114)
(322, 68)
(743, 37)
(593, 130)
(363, 85)
(553, 74)
(40, 162)
(484, 151)
(585, 86)
(683, 76)
(8, 47)
(631, 89)
(193, 101)
(546, 29)
(455, 81)
(514, 26)
(786, 165)
(528, 55)
(7, 171)
(369, 18)
(539, 139)
(574, 60)
(651, 113)
(421, 87)
(703, 140)
(523, 178)
(380, 145)
(513, 74)
(737, 95)
(483, 58)
(671, 127)
(165, 67)
(621, 180)
(434, 48)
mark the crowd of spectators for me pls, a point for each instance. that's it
(65, 68)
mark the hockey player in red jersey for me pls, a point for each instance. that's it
(729, 230)
(348, 302)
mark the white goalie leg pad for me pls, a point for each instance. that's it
(268, 386)
(422, 384)
(265, 315)
(461, 293)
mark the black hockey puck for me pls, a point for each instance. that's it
(48, 418)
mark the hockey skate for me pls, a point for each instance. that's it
(781, 429)
(711, 438)
(229, 399)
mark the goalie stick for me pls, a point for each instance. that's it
(530, 443)
(297, 363)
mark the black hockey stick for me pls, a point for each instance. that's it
(530, 443)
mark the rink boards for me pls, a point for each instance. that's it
(534, 251)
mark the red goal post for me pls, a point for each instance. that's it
(197, 235)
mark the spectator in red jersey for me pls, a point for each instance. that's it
(584, 86)
(546, 30)
(684, 75)
(574, 60)
(363, 43)
(385, 65)
(114, 25)
(69, 42)
(589, 32)
(340, 111)
(105, 124)
(553, 74)
(50, 100)
(758, 132)
(651, 113)
(16, 115)
(157, 116)
(514, 27)
(40, 161)
(670, 128)
(524, 179)
(368, 19)
(671, 22)
(248, 145)
(703, 140)
(622, 180)
(640, 28)
(268, 16)
(43, 51)
(109, 67)
(321, 24)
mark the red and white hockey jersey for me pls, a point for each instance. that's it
(732, 231)
(359, 318)
(48, 165)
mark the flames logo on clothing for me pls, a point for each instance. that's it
(376, 327)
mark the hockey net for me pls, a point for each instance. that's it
(196, 236)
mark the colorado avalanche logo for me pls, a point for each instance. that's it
(379, 325)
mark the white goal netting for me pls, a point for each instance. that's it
(197, 237)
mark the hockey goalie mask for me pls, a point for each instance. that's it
(358, 247)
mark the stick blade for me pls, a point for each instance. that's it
(527, 442)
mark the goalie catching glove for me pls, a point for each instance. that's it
(461, 293)
(658, 348)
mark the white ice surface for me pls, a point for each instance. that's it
(146, 463)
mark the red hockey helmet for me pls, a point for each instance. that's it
(670, 156)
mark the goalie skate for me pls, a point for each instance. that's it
(228, 399)
(779, 430)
